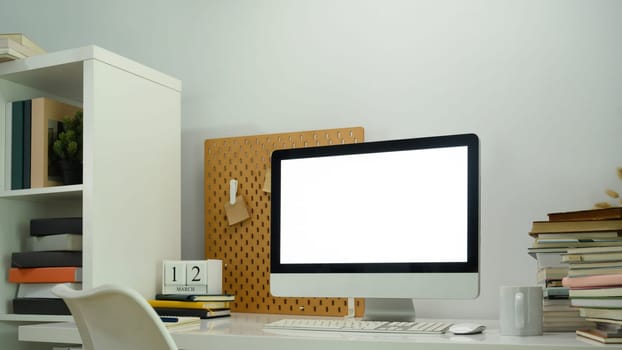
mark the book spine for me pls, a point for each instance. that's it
(42, 290)
(46, 259)
(64, 241)
(17, 145)
(40, 306)
(45, 275)
(53, 226)
(27, 140)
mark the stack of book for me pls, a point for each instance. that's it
(193, 305)
(553, 239)
(54, 256)
(16, 45)
(34, 125)
(595, 283)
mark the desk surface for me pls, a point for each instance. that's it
(245, 331)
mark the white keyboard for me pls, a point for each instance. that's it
(349, 325)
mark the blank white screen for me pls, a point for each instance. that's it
(388, 207)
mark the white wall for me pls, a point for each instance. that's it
(539, 81)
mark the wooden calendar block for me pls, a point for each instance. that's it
(192, 276)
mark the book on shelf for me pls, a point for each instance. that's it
(196, 297)
(580, 235)
(63, 241)
(587, 214)
(201, 313)
(13, 50)
(27, 139)
(40, 306)
(595, 271)
(45, 274)
(592, 281)
(17, 145)
(54, 226)
(592, 265)
(47, 120)
(600, 302)
(551, 273)
(593, 254)
(23, 40)
(614, 292)
(609, 313)
(539, 227)
(556, 293)
(576, 243)
(41, 290)
(594, 334)
(46, 259)
(189, 304)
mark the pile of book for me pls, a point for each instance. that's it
(54, 256)
(34, 125)
(16, 45)
(595, 283)
(193, 305)
(564, 231)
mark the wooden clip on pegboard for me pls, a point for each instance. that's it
(244, 248)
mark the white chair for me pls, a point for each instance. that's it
(113, 317)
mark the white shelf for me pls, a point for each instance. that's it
(45, 193)
(35, 318)
(130, 199)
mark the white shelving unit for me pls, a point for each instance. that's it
(130, 197)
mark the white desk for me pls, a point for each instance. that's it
(245, 331)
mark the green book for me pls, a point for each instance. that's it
(17, 145)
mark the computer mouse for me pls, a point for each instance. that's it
(466, 328)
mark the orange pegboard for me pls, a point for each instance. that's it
(244, 247)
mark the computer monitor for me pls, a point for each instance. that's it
(389, 221)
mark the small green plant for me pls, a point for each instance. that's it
(68, 145)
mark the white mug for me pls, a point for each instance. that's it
(520, 311)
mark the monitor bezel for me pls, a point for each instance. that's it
(471, 141)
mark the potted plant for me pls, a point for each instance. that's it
(68, 148)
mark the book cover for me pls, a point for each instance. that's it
(45, 274)
(592, 281)
(40, 306)
(587, 214)
(47, 117)
(17, 145)
(41, 290)
(202, 313)
(598, 336)
(575, 226)
(63, 241)
(54, 226)
(189, 304)
(196, 297)
(46, 259)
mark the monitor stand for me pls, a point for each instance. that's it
(388, 309)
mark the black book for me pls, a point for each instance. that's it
(46, 259)
(55, 226)
(196, 297)
(182, 312)
(40, 306)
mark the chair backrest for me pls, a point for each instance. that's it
(115, 317)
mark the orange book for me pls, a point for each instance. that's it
(45, 274)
